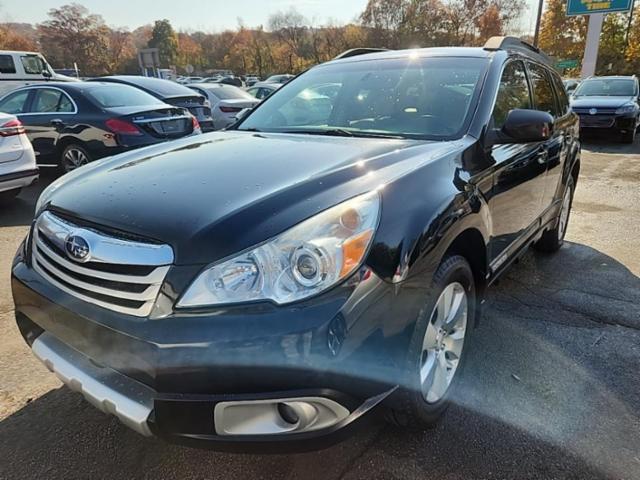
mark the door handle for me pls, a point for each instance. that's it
(56, 122)
(543, 157)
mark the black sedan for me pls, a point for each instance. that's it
(71, 124)
(169, 92)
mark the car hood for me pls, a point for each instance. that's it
(600, 102)
(216, 194)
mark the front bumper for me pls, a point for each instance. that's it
(622, 122)
(166, 376)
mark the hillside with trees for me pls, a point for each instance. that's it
(289, 42)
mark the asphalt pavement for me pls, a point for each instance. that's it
(552, 388)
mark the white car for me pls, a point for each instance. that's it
(17, 159)
(226, 101)
(18, 69)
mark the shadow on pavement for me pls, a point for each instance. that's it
(606, 142)
(19, 212)
(551, 391)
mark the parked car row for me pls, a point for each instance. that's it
(69, 124)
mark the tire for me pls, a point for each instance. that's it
(552, 240)
(9, 195)
(73, 156)
(629, 136)
(420, 404)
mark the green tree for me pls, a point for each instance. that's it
(164, 38)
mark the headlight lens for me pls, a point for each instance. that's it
(628, 108)
(303, 261)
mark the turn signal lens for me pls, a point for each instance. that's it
(196, 123)
(122, 127)
(12, 127)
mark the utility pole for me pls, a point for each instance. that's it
(536, 35)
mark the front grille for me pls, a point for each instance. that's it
(596, 121)
(118, 274)
(599, 111)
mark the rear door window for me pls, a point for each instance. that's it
(561, 93)
(543, 97)
(6, 64)
(15, 103)
(48, 100)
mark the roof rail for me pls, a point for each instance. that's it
(359, 51)
(516, 44)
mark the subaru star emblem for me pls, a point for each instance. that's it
(77, 248)
(593, 111)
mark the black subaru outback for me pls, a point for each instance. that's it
(270, 285)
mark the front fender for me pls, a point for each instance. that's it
(422, 215)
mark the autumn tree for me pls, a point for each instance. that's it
(164, 38)
(561, 36)
(73, 35)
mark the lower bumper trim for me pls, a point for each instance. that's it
(108, 390)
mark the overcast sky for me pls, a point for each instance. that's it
(206, 15)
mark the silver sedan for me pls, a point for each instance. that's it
(226, 101)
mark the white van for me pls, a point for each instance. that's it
(18, 69)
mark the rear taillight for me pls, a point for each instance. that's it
(196, 123)
(12, 127)
(230, 109)
(122, 127)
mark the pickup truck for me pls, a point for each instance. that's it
(18, 69)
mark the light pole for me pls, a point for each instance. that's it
(536, 35)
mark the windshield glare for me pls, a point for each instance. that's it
(607, 88)
(424, 98)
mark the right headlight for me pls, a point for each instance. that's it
(627, 108)
(305, 260)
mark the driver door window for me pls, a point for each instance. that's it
(513, 93)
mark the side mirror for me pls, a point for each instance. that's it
(524, 126)
(46, 74)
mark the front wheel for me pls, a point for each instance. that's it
(629, 136)
(73, 156)
(552, 240)
(437, 350)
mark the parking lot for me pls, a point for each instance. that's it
(552, 389)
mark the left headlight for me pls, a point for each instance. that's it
(628, 108)
(305, 260)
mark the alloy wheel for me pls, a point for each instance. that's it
(564, 214)
(74, 158)
(443, 342)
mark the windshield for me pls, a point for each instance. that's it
(607, 88)
(424, 98)
(112, 96)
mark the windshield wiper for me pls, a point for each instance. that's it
(343, 132)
